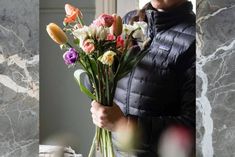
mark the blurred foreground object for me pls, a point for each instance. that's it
(56, 151)
(176, 142)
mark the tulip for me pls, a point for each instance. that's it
(107, 58)
(83, 33)
(70, 56)
(56, 33)
(101, 33)
(72, 13)
(116, 28)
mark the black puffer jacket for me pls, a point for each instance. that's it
(160, 91)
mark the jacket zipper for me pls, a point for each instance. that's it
(128, 91)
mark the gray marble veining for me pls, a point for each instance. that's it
(215, 78)
(19, 78)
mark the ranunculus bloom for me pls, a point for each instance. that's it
(70, 56)
(104, 20)
(107, 58)
(71, 13)
(56, 33)
(120, 42)
(97, 23)
(88, 46)
(116, 28)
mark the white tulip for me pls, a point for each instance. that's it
(81, 34)
(141, 24)
(84, 33)
(139, 27)
(127, 29)
(101, 33)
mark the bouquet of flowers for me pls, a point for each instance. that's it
(107, 50)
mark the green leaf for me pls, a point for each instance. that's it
(108, 44)
(65, 24)
(93, 65)
(64, 47)
(77, 75)
(129, 63)
(76, 41)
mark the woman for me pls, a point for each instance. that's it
(160, 92)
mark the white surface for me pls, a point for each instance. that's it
(48, 150)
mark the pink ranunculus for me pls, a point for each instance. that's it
(97, 23)
(106, 20)
(88, 46)
(110, 37)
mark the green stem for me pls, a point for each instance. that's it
(107, 85)
(91, 152)
(80, 21)
(93, 77)
(68, 44)
(99, 84)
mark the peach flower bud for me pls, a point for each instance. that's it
(116, 28)
(56, 33)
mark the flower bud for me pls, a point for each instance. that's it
(56, 33)
(116, 28)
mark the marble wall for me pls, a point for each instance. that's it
(215, 78)
(19, 78)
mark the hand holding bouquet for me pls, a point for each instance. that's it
(107, 50)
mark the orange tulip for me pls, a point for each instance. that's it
(116, 28)
(56, 33)
(71, 13)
